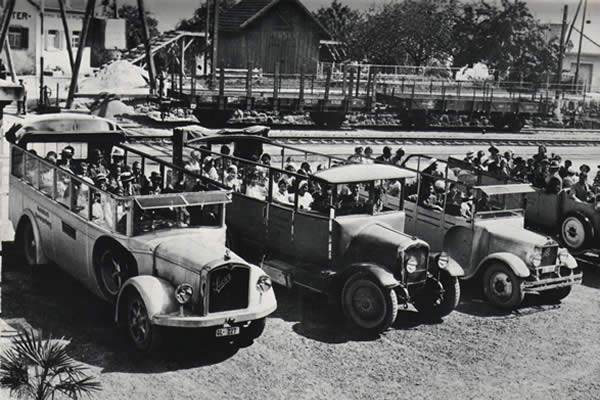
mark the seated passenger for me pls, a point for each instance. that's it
(582, 190)
(51, 157)
(139, 179)
(127, 184)
(305, 199)
(454, 200)
(431, 201)
(570, 178)
(193, 165)
(117, 156)
(483, 203)
(231, 178)
(155, 186)
(254, 189)
(350, 201)
(322, 198)
(209, 169)
(66, 158)
(281, 195)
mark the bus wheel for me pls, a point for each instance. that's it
(575, 232)
(144, 335)
(502, 287)
(28, 245)
(367, 305)
(113, 269)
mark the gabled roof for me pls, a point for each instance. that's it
(244, 13)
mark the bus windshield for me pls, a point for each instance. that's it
(156, 219)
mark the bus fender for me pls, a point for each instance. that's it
(452, 267)
(158, 295)
(40, 256)
(384, 277)
(515, 263)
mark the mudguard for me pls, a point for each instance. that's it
(452, 267)
(383, 276)
(571, 262)
(516, 264)
(158, 295)
(40, 256)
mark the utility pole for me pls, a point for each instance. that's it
(215, 43)
(206, 38)
(580, 42)
(148, 47)
(63, 16)
(561, 50)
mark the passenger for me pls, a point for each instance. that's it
(454, 200)
(51, 157)
(469, 157)
(322, 198)
(350, 202)
(398, 158)
(584, 169)
(265, 159)
(209, 169)
(223, 162)
(194, 164)
(127, 183)
(540, 173)
(82, 171)
(98, 163)
(541, 154)
(231, 178)
(114, 181)
(357, 156)
(570, 179)
(305, 199)
(564, 169)
(431, 201)
(386, 157)
(394, 188)
(553, 175)
(139, 179)
(155, 186)
(281, 195)
(254, 189)
(582, 190)
(596, 182)
(117, 156)
(97, 211)
(101, 181)
(368, 158)
(66, 158)
(520, 171)
(483, 203)
(305, 168)
(170, 185)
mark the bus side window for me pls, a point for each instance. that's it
(47, 174)
(18, 162)
(63, 191)
(81, 198)
(32, 169)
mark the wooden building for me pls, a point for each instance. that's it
(264, 32)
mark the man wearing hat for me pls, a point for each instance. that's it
(597, 178)
(399, 156)
(357, 156)
(128, 188)
(585, 169)
(570, 179)
(155, 186)
(469, 156)
(582, 190)
(66, 157)
(386, 157)
(118, 156)
(541, 154)
(563, 171)
(553, 181)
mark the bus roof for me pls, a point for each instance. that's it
(62, 123)
(363, 173)
(492, 190)
(149, 202)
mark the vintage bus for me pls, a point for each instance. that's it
(328, 231)
(160, 257)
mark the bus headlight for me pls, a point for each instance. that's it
(411, 264)
(183, 293)
(264, 284)
(443, 260)
(535, 258)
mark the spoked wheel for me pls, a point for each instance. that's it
(28, 245)
(368, 305)
(144, 335)
(574, 233)
(502, 287)
(113, 270)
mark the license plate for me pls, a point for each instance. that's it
(235, 330)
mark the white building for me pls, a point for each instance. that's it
(27, 42)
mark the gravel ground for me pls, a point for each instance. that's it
(307, 352)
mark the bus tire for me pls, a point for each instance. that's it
(144, 335)
(113, 266)
(27, 244)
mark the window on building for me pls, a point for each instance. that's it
(75, 38)
(18, 38)
(52, 39)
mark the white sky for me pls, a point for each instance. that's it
(169, 12)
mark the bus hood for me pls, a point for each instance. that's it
(509, 234)
(194, 250)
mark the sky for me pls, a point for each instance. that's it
(169, 12)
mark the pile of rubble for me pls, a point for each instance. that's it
(120, 77)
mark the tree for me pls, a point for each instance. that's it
(135, 34)
(507, 38)
(41, 368)
(410, 31)
(344, 24)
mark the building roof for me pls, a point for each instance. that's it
(244, 13)
(70, 5)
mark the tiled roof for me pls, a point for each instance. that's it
(233, 18)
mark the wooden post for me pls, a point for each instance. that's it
(63, 16)
(301, 93)
(344, 74)
(181, 64)
(215, 42)
(222, 85)
(147, 46)
(357, 81)
(89, 12)
(10, 7)
(327, 85)
(206, 38)
(249, 82)
(9, 59)
(276, 87)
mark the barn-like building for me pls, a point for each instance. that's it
(264, 32)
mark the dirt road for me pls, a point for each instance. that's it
(306, 352)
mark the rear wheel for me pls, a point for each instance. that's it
(368, 305)
(502, 287)
(554, 296)
(113, 268)
(27, 244)
(145, 336)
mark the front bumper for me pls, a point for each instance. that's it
(187, 320)
(555, 282)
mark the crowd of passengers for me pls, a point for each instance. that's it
(252, 179)
(542, 170)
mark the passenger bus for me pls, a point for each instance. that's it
(330, 231)
(158, 255)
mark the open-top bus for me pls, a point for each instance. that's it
(159, 257)
(480, 223)
(332, 231)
